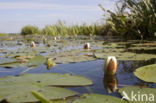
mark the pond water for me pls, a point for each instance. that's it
(94, 71)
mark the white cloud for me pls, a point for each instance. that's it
(71, 13)
(44, 6)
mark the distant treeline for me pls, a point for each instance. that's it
(133, 19)
(60, 28)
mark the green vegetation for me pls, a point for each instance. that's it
(133, 19)
(61, 28)
(146, 73)
(30, 30)
(3, 34)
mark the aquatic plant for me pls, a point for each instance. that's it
(33, 44)
(30, 30)
(62, 29)
(44, 40)
(111, 65)
(133, 19)
(3, 34)
(87, 46)
(50, 63)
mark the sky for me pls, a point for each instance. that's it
(14, 14)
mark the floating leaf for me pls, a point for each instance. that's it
(138, 93)
(73, 59)
(23, 93)
(35, 61)
(18, 89)
(147, 73)
(40, 97)
(52, 79)
(125, 56)
(143, 49)
(98, 98)
(7, 61)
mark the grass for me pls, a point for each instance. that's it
(61, 29)
(133, 19)
(3, 34)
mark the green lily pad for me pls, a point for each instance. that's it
(125, 56)
(73, 59)
(42, 49)
(138, 95)
(20, 93)
(52, 79)
(40, 97)
(151, 44)
(43, 99)
(71, 56)
(146, 73)
(7, 60)
(35, 61)
(143, 49)
(18, 53)
(98, 98)
(18, 89)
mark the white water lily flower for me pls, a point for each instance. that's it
(111, 65)
(33, 44)
(87, 46)
(55, 38)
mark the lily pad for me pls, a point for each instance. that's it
(147, 73)
(40, 97)
(35, 61)
(71, 56)
(52, 79)
(138, 95)
(143, 49)
(98, 98)
(125, 56)
(73, 59)
(18, 89)
(7, 60)
(43, 99)
(22, 93)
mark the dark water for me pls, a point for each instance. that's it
(94, 71)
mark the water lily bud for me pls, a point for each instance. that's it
(10, 38)
(111, 65)
(55, 38)
(50, 63)
(48, 45)
(87, 46)
(33, 44)
(44, 40)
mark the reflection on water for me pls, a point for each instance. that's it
(94, 71)
(110, 83)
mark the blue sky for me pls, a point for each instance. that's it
(14, 14)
